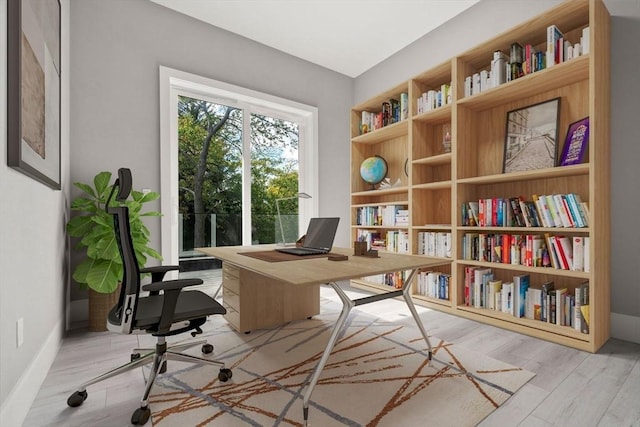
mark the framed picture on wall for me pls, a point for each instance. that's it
(575, 144)
(33, 89)
(531, 137)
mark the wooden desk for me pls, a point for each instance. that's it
(306, 274)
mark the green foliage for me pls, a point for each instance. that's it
(210, 172)
(102, 269)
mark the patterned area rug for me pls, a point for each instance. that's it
(377, 375)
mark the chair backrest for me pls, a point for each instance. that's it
(122, 316)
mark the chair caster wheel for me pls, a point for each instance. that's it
(135, 356)
(207, 348)
(77, 398)
(140, 416)
(225, 375)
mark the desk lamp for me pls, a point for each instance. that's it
(297, 196)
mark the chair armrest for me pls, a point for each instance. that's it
(171, 291)
(169, 285)
(158, 271)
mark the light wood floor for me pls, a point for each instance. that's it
(571, 387)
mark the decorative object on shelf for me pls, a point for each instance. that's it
(386, 183)
(531, 137)
(575, 144)
(297, 196)
(33, 90)
(446, 137)
(373, 170)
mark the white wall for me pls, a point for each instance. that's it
(33, 261)
(489, 18)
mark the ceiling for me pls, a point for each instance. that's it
(347, 36)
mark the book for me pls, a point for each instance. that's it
(520, 286)
(553, 35)
(578, 253)
(479, 283)
(584, 308)
(546, 290)
(566, 249)
(494, 292)
(506, 295)
(555, 215)
(559, 305)
(575, 143)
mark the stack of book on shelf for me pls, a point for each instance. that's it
(390, 241)
(553, 210)
(395, 280)
(434, 243)
(527, 59)
(519, 298)
(392, 111)
(384, 215)
(531, 250)
(433, 284)
(432, 99)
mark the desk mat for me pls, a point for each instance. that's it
(275, 256)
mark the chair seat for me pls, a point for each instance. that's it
(191, 305)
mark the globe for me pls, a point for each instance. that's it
(373, 170)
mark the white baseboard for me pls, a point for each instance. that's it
(17, 404)
(625, 327)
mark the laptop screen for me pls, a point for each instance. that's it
(320, 233)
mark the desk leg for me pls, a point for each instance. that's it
(347, 305)
(406, 293)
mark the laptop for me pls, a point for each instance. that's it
(318, 239)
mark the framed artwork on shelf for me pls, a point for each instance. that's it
(33, 89)
(575, 144)
(531, 137)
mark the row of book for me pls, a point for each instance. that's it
(434, 243)
(432, 99)
(531, 250)
(433, 284)
(390, 241)
(392, 111)
(385, 215)
(395, 279)
(562, 306)
(553, 210)
(524, 60)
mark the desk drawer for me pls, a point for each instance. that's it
(230, 298)
(231, 278)
(232, 316)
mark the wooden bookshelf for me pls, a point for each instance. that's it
(434, 183)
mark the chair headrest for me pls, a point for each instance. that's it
(124, 183)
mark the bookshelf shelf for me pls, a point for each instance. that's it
(436, 183)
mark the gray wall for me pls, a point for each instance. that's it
(33, 258)
(117, 47)
(470, 28)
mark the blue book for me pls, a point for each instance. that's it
(521, 285)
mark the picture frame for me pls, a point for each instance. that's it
(34, 89)
(531, 135)
(575, 143)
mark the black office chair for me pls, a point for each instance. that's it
(167, 310)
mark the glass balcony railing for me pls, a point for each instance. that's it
(213, 230)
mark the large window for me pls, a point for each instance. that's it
(228, 154)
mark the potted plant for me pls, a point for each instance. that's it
(101, 271)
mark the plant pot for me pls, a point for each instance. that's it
(99, 306)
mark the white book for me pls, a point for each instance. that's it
(578, 253)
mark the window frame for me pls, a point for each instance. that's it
(175, 83)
